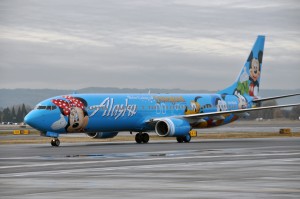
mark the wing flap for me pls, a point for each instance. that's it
(218, 115)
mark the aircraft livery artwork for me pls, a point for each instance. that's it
(103, 116)
(115, 110)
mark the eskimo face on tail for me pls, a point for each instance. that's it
(254, 72)
(74, 109)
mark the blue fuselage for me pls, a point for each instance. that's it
(128, 112)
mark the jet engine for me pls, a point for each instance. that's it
(172, 127)
(102, 135)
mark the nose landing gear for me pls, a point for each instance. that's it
(55, 142)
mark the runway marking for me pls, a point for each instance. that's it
(149, 159)
(139, 154)
(178, 166)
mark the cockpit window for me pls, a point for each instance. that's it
(51, 107)
(41, 107)
(46, 107)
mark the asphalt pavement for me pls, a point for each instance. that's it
(228, 168)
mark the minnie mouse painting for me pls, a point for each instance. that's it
(74, 109)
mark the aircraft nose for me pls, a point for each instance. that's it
(32, 119)
(28, 119)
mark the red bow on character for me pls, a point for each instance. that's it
(67, 105)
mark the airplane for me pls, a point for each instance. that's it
(103, 116)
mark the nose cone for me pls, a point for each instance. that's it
(31, 119)
(37, 119)
(46, 120)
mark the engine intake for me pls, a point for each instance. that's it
(172, 127)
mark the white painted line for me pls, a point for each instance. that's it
(177, 166)
(146, 159)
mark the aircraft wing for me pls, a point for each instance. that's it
(276, 97)
(219, 114)
(211, 114)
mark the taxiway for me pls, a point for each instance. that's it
(230, 168)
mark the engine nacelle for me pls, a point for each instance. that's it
(172, 127)
(102, 135)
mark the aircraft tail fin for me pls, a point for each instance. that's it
(248, 81)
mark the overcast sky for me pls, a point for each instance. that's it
(187, 44)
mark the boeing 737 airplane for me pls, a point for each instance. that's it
(169, 115)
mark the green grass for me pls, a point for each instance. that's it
(36, 139)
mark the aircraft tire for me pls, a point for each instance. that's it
(187, 138)
(145, 137)
(138, 138)
(179, 139)
(55, 142)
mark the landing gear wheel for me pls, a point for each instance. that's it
(187, 138)
(179, 139)
(55, 142)
(138, 138)
(145, 137)
(142, 138)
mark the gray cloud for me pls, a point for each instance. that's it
(141, 44)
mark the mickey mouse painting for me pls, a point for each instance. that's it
(254, 72)
(74, 109)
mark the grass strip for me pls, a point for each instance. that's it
(34, 138)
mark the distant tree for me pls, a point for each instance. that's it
(24, 111)
(271, 113)
(19, 117)
(277, 113)
(286, 113)
(295, 113)
(6, 115)
(10, 115)
(13, 115)
(266, 114)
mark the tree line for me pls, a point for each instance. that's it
(287, 113)
(14, 114)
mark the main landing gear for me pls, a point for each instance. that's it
(142, 138)
(55, 142)
(187, 138)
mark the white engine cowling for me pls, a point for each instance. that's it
(172, 127)
(102, 135)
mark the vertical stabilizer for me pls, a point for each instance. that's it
(248, 81)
